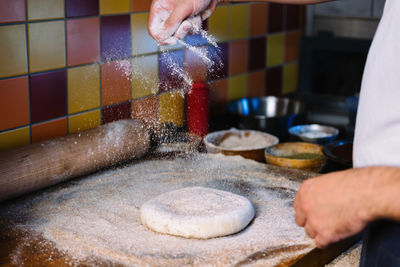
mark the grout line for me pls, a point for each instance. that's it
(28, 71)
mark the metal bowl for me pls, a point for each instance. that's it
(340, 152)
(270, 114)
(315, 133)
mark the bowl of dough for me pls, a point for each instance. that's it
(246, 143)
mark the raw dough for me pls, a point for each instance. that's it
(197, 212)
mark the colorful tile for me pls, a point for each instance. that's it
(14, 138)
(172, 108)
(293, 17)
(114, 7)
(79, 8)
(170, 66)
(256, 83)
(275, 48)
(142, 42)
(237, 87)
(146, 110)
(12, 45)
(274, 81)
(12, 11)
(238, 57)
(258, 19)
(220, 57)
(218, 23)
(83, 45)
(14, 103)
(218, 96)
(84, 121)
(195, 40)
(115, 82)
(292, 46)
(144, 76)
(48, 96)
(115, 37)
(140, 5)
(195, 66)
(290, 78)
(48, 130)
(275, 17)
(83, 88)
(46, 45)
(257, 53)
(116, 112)
(45, 9)
(239, 20)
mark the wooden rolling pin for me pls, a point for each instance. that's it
(39, 165)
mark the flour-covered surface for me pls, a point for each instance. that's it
(95, 220)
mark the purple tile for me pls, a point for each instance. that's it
(79, 8)
(48, 95)
(220, 57)
(273, 85)
(116, 112)
(170, 68)
(257, 53)
(293, 17)
(275, 17)
(115, 37)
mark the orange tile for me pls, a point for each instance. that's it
(195, 66)
(14, 138)
(146, 109)
(142, 42)
(238, 57)
(46, 45)
(45, 9)
(218, 96)
(140, 5)
(14, 103)
(12, 46)
(12, 11)
(114, 7)
(292, 46)
(83, 45)
(258, 19)
(256, 85)
(115, 82)
(49, 129)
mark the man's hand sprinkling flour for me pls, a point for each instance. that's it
(174, 19)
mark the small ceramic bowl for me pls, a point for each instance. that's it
(246, 143)
(297, 155)
(315, 133)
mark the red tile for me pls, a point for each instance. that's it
(116, 112)
(258, 19)
(293, 17)
(115, 82)
(275, 17)
(146, 110)
(140, 5)
(79, 8)
(218, 96)
(14, 103)
(256, 83)
(274, 81)
(49, 129)
(83, 41)
(12, 11)
(257, 54)
(169, 64)
(238, 57)
(195, 66)
(115, 37)
(292, 46)
(48, 96)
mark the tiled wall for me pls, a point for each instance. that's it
(70, 65)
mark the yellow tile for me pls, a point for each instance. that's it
(12, 46)
(144, 76)
(237, 87)
(239, 21)
(290, 78)
(84, 121)
(171, 108)
(46, 45)
(114, 6)
(14, 138)
(45, 9)
(218, 23)
(83, 88)
(275, 47)
(142, 42)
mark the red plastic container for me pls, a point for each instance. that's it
(198, 109)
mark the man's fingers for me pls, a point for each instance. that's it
(299, 214)
(210, 9)
(310, 230)
(179, 14)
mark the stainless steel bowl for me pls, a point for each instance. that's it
(269, 114)
(315, 133)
